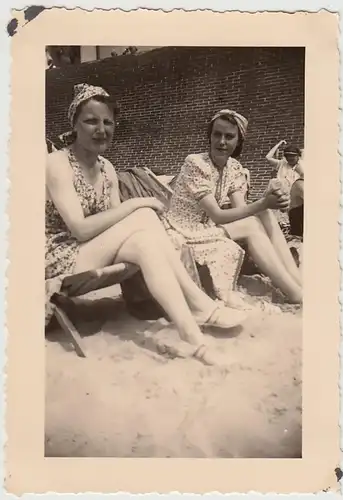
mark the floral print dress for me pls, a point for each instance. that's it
(61, 248)
(186, 221)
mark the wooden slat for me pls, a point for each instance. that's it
(83, 283)
(160, 183)
(70, 331)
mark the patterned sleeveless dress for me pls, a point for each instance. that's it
(61, 248)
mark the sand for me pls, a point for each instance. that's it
(127, 400)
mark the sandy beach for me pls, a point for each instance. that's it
(127, 400)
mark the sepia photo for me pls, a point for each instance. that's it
(186, 163)
(182, 283)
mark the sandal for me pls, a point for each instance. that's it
(203, 355)
(224, 318)
(179, 349)
(168, 346)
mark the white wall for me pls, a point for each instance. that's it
(88, 52)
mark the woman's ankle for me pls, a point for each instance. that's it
(192, 335)
(204, 308)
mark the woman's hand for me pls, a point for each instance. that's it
(276, 200)
(284, 202)
(151, 202)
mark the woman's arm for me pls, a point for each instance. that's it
(240, 209)
(60, 187)
(237, 199)
(270, 155)
(112, 175)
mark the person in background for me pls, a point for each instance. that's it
(289, 168)
(296, 220)
(296, 209)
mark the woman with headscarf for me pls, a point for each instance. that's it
(196, 214)
(87, 227)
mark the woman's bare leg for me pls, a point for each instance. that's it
(141, 249)
(108, 248)
(128, 241)
(265, 256)
(197, 300)
(279, 242)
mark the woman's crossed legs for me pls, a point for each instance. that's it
(141, 239)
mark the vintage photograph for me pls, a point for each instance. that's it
(156, 208)
(174, 225)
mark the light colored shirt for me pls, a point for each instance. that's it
(287, 174)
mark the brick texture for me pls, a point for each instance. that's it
(168, 95)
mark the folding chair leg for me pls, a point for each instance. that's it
(70, 330)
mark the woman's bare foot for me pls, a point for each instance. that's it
(174, 350)
(179, 344)
(202, 353)
(167, 344)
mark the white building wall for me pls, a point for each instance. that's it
(88, 52)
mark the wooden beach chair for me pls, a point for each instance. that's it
(81, 284)
(165, 187)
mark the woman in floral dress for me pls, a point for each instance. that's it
(196, 215)
(87, 227)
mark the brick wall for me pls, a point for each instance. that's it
(168, 95)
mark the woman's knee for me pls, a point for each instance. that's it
(141, 246)
(253, 226)
(149, 221)
(266, 214)
(147, 216)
